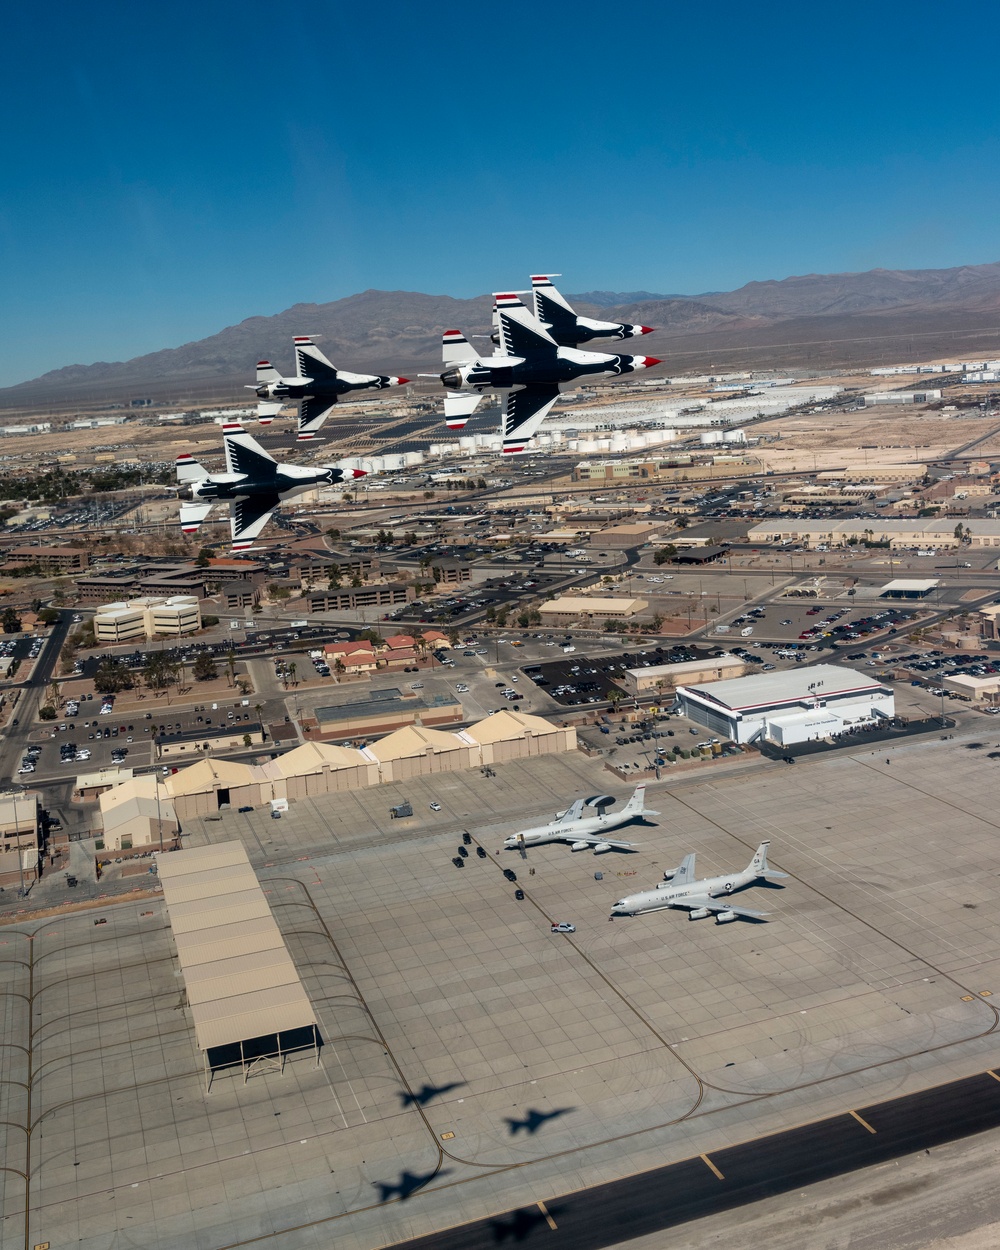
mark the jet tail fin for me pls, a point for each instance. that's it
(190, 470)
(458, 408)
(637, 803)
(759, 866)
(455, 348)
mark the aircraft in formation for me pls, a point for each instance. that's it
(583, 831)
(317, 385)
(537, 357)
(555, 313)
(701, 898)
(529, 370)
(253, 485)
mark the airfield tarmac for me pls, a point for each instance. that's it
(474, 1061)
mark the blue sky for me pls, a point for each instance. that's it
(171, 171)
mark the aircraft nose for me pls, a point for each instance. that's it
(452, 378)
(646, 330)
(647, 362)
(359, 473)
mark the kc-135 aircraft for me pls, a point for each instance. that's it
(253, 485)
(679, 889)
(567, 327)
(530, 369)
(318, 385)
(583, 832)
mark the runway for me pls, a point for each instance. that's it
(608, 1215)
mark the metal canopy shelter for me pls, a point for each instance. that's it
(247, 1001)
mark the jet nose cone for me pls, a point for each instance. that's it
(401, 381)
(645, 329)
(649, 361)
(359, 473)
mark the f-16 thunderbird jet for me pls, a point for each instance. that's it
(530, 368)
(253, 485)
(583, 831)
(701, 898)
(567, 327)
(318, 385)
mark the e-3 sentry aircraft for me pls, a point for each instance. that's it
(582, 831)
(529, 368)
(318, 385)
(568, 328)
(701, 898)
(253, 485)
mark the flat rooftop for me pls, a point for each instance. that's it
(766, 689)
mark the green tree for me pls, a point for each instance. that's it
(204, 667)
(11, 621)
(112, 676)
(247, 740)
(665, 554)
(334, 583)
(204, 558)
(47, 712)
(333, 533)
(410, 538)
(231, 665)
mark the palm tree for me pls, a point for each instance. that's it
(291, 672)
(231, 666)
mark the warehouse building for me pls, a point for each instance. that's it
(899, 535)
(323, 768)
(137, 814)
(669, 676)
(20, 839)
(248, 1004)
(569, 609)
(800, 705)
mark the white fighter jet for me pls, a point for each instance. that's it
(711, 894)
(253, 485)
(584, 832)
(317, 385)
(529, 369)
(568, 328)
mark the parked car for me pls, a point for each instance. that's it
(564, 927)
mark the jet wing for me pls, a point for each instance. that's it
(521, 333)
(310, 361)
(572, 813)
(692, 903)
(312, 413)
(524, 411)
(249, 516)
(685, 874)
(595, 839)
(245, 455)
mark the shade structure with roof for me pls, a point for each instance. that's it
(247, 1002)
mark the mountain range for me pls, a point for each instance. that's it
(814, 321)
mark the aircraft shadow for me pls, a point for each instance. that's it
(424, 1095)
(522, 1225)
(407, 1185)
(534, 1120)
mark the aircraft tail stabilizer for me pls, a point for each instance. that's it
(455, 348)
(636, 806)
(759, 866)
(190, 470)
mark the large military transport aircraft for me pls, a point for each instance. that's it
(701, 898)
(582, 831)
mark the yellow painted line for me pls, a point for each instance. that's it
(708, 1163)
(990, 1072)
(863, 1123)
(548, 1218)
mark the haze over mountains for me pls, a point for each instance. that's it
(814, 321)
